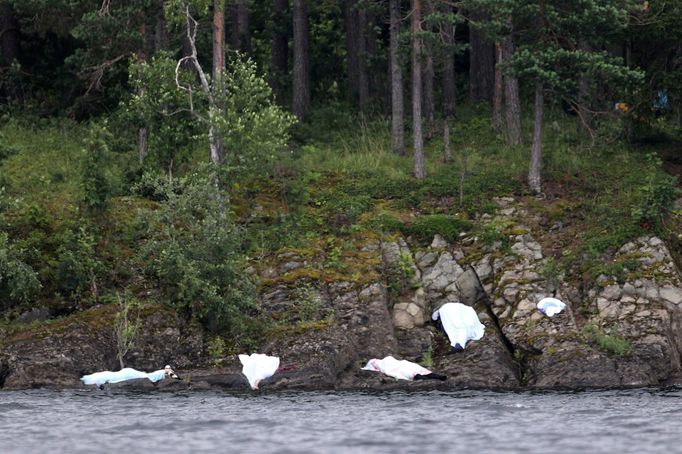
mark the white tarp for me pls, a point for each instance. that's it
(551, 306)
(402, 370)
(258, 367)
(460, 322)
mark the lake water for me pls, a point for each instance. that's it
(74, 421)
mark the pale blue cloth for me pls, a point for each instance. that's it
(551, 306)
(101, 378)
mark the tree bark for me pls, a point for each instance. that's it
(363, 80)
(280, 49)
(498, 121)
(585, 119)
(301, 91)
(240, 17)
(429, 76)
(534, 177)
(511, 97)
(217, 146)
(143, 132)
(9, 45)
(161, 38)
(418, 140)
(447, 152)
(449, 94)
(218, 41)
(397, 102)
(350, 15)
(481, 63)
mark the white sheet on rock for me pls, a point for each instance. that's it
(460, 322)
(402, 370)
(258, 366)
(551, 306)
(101, 378)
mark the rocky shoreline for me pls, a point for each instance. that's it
(619, 330)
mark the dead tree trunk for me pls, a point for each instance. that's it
(511, 97)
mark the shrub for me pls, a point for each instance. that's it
(77, 262)
(609, 343)
(657, 194)
(423, 228)
(194, 254)
(19, 284)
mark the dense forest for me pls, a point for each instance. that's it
(155, 151)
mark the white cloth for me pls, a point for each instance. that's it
(402, 370)
(460, 322)
(100, 378)
(258, 367)
(551, 306)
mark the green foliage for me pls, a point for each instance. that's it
(656, 195)
(6, 150)
(194, 255)
(423, 228)
(158, 104)
(399, 277)
(253, 127)
(216, 350)
(126, 330)
(19, 284)
(612, 344)
(77, 262)
(97, 188)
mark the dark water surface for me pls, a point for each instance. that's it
(632, 421)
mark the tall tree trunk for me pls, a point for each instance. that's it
(161, 38)
(9, 43)
(585, 119)
(511, 97)
(240, 17)
(350, 15)
(534, 178)
(498, 121)
(301, 92)
(217, 147)
(418, 140)
(449, 94)
(428, 76)
(481, 63)
(447, 151)
(397, 103)
(280, 49)
(363, 80)
(218, 41)
(143, 132)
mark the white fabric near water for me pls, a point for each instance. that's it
(402, 370)
(460, 322)
(101, 378)
(551, 306)
(258, 367)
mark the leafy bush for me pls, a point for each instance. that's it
(423, 228)
(19, 284)
(612, 344)
(194, 255)
(656, 195)
(78, 264)
(97, 188)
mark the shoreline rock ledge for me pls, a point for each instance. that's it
(620, 330)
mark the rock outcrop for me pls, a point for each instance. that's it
(623, 328)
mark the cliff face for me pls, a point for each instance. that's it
(622, 328)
